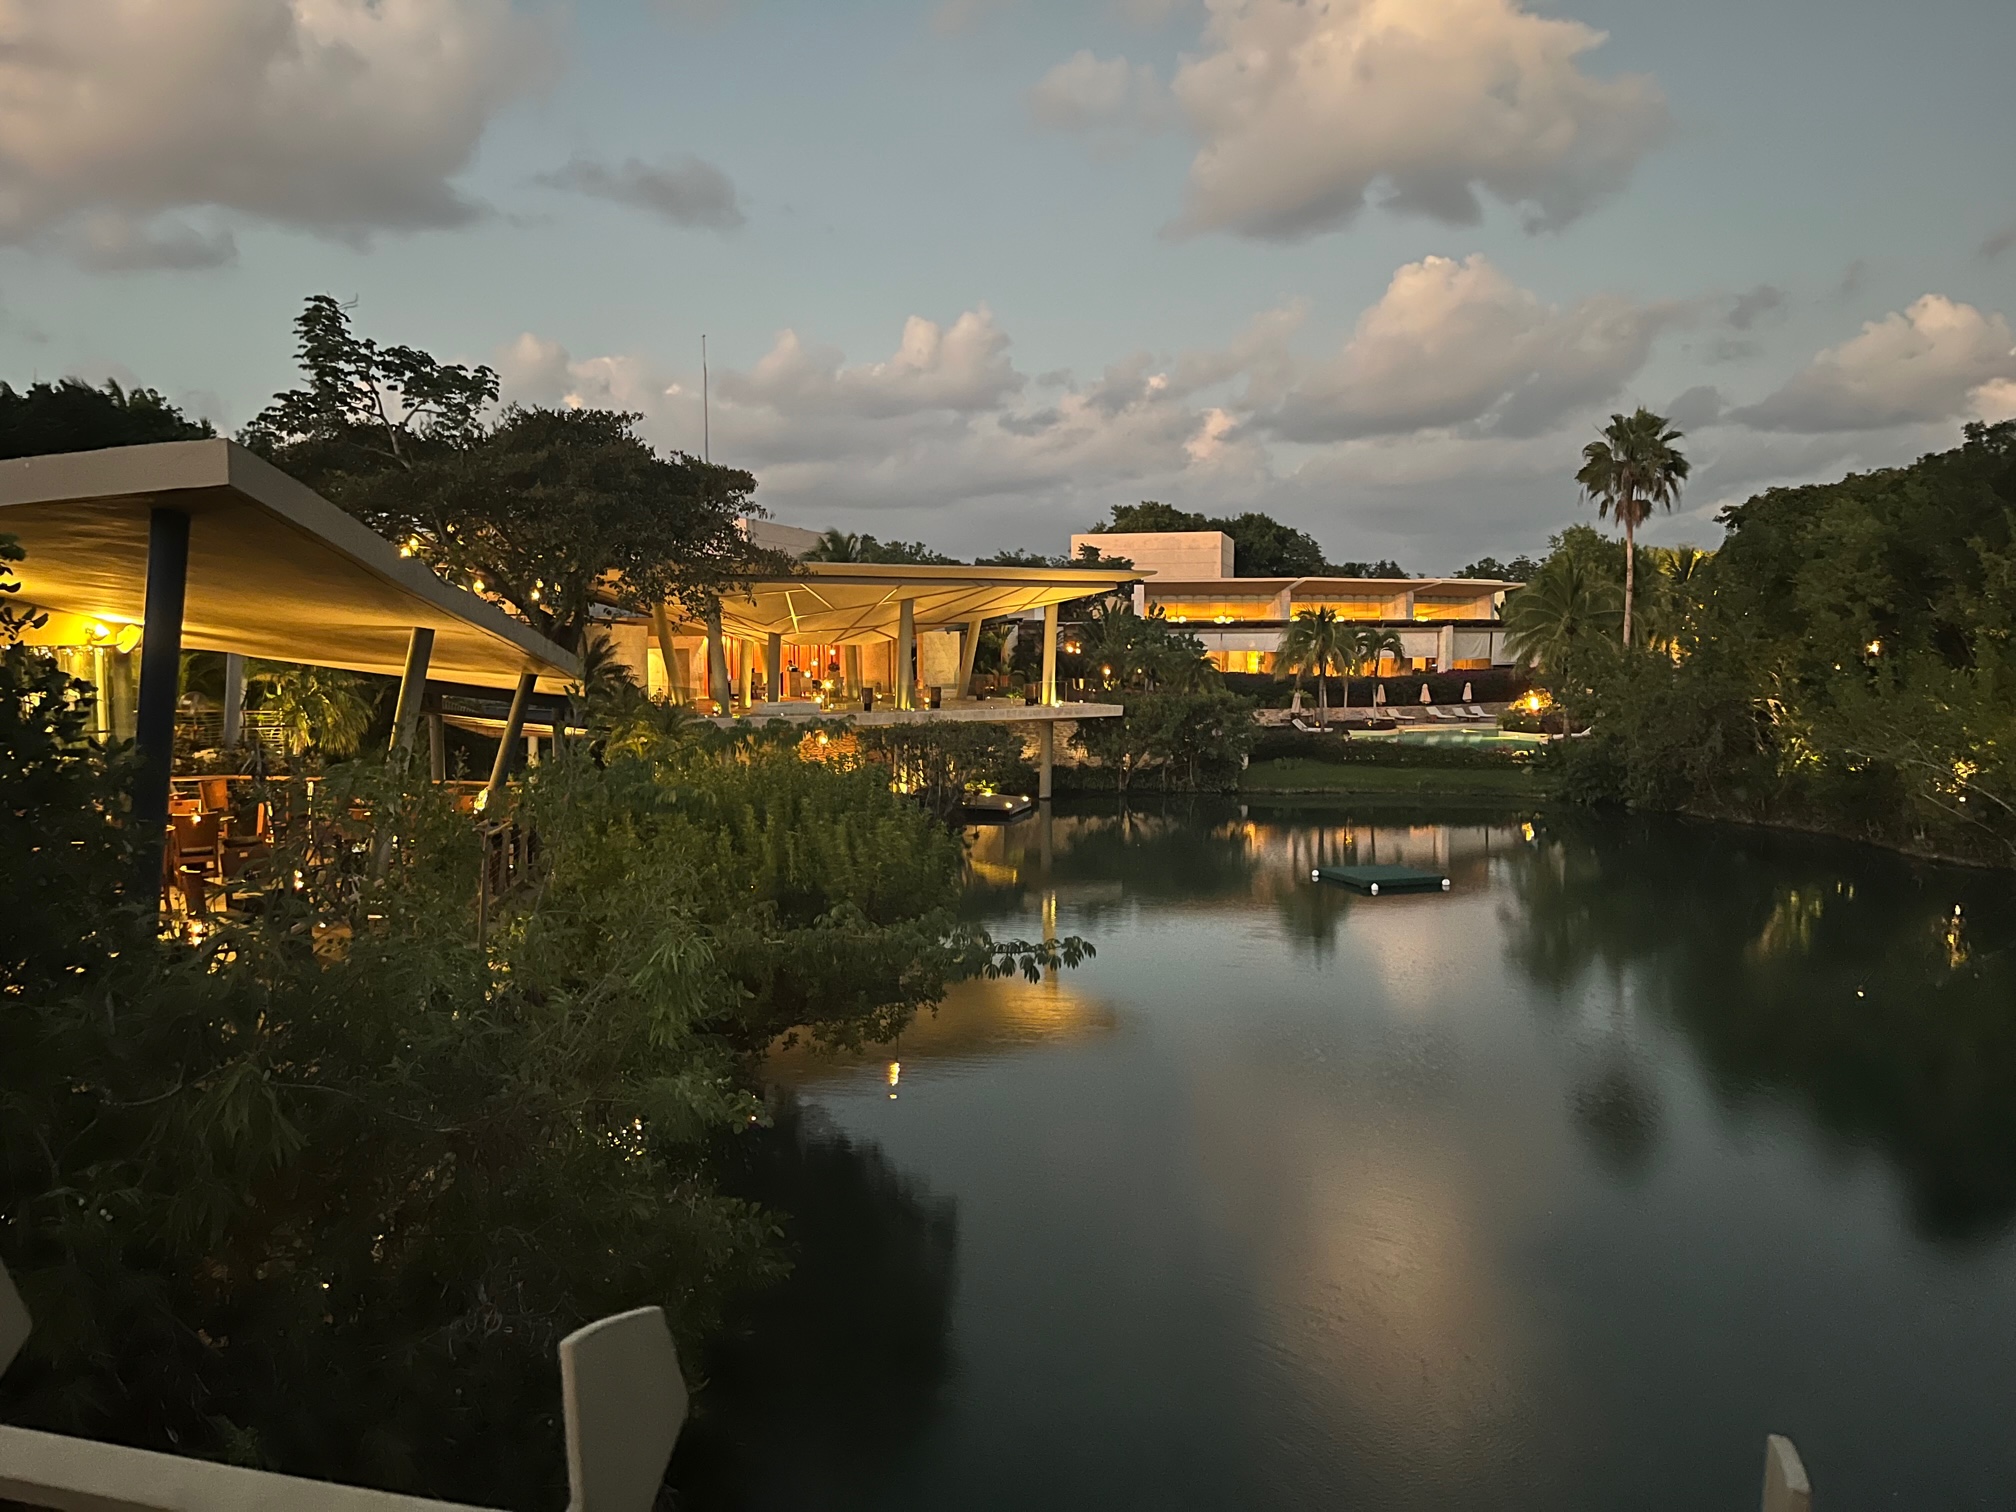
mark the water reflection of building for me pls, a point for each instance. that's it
(978, 1018)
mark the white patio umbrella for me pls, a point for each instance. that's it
(1379, 694)
(1468, 696)
(1424, 694)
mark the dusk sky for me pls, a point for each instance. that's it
(973, 271)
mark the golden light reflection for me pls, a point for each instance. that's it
(977, 1020)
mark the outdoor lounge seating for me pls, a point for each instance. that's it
(1475, 711)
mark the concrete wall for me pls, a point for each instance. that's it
(1182, 555)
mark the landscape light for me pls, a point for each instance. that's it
(1874, 648)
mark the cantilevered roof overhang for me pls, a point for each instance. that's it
(275, 570)
(839, 602)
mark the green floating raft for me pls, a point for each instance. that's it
(1382, 879)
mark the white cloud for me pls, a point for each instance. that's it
(342, 117)
(1304, 110)
(964, 368)
(685, 190)
(1087, 93)
(1937, 360)
(1459, 344)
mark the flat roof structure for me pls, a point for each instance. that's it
(274, 569)
(839, 602)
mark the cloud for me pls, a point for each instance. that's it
(106, 241)
(1750, 307)
(1087, 93)
(954, 18)
(686, 190)
(1700, 406)
(340, 117)
(1937, 360)
(964, 368)
(1459, 344)
(1998, 242)
(1304, 111)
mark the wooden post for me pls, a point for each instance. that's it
(514, 726)
(969, 648)
(160, 682)
(1049, 654)
(773, 667)
(904, 679)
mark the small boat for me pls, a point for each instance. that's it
(1375, 880)
(996, 808)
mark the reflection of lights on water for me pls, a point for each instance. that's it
(895, 1076)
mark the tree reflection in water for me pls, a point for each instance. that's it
(1875, 994)
(827, 1376)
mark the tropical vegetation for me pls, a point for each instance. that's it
(1633, 467)
(1845, 661)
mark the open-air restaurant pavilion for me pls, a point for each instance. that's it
(136, 554)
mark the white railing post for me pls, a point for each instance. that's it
(1786, 1488)
(624, 1402)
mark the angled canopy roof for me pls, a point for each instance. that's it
(836, 602)
(275, 570)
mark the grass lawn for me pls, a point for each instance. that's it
(1291, 775)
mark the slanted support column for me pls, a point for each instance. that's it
(1049, 656)
(969, 650)
(904, 676)
(412, 688)
(437, 746)
(850, 670)
(1046, 757)
(234, 700)
(717, 664)
(160, 676)
(661, 626)
(773, 667)
(514, 728)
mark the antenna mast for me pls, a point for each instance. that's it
(706, 446)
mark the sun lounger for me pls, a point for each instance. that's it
(1476, 712)
(1435, 711)
(1306, 729)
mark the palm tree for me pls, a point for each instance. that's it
(836, 546)
(1569, 598)
(316, 707)
(1373, 643)
(1633, 467)
(1314, 644)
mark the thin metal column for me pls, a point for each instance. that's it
(412, 688)
(903, 678)
(514, 727)
(234, 700)
(160, 676)
(1049, 655)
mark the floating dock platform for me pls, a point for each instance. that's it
(1376, 880)
(996, 808)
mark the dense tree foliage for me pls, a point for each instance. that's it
(541, 509)
(70, 415)
(1261, 545)
(1519, 569)
(342, 1138)
(1846, 660)
(840, 546)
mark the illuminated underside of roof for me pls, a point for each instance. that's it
(840, 602)
(275, 570)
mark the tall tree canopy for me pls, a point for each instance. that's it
(1633, 467)
(70, 415)
(841, 546)
(542, 509)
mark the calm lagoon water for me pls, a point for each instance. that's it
(1557, 1191)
